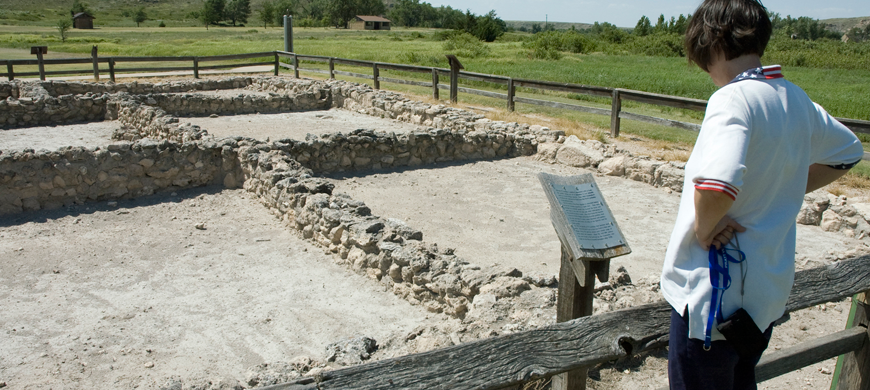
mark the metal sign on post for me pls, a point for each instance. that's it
(590, 237)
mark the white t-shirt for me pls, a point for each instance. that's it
(756, 144)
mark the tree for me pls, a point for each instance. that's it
(238, 11)
(681, 25)
(370, 7)
(267, 13)
(311, 9)
(340, 12)
(139, 16)
(284, 7)
(661, 25)
(78, 7)
(212, 12)
(643, 27)
(489, 27)
(408, 13)
(63, 26)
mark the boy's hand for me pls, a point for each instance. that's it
(722, 233)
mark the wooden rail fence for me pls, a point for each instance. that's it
(617, 95)
(508, 361)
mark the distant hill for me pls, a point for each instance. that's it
(841, 25)
(517, 24)
(106, 12)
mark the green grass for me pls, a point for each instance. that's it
(842, 92)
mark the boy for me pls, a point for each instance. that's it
(762, 145)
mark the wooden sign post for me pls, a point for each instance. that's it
(455, 67)
(590, 237)
(40, 51)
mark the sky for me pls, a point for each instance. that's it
(625, 13)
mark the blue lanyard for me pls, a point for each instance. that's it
(719, 259)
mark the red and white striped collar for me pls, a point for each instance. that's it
(763, 73)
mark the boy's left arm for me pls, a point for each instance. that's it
(712, 224)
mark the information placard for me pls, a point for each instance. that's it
(581, 217)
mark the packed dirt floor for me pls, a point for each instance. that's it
(205, 285)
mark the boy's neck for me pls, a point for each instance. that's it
(723, 71)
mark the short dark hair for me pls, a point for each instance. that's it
(734, 27)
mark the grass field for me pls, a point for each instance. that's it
(843, 92)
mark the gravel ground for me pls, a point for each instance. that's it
(122, 296)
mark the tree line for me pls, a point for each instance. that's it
(317, 13)
(665, 37)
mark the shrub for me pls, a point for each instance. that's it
(161, 24)
(545, 46)
(575, 42)
(657, 45)
(464, 44)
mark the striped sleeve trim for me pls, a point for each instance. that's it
(717, 185)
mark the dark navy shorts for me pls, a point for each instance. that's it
(690, 367)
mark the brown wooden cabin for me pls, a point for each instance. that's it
(367, 22)
(83, 20)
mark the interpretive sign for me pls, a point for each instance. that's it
(581, 217)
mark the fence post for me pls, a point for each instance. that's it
(376, 73)
(288, 33)
(574, 300)
(455, 67)
(9, 70)
(112, 69)
(435, 94)
(295, 65)
(96, 63)
(196, 67)
(41, 62)
(332, 68)
(510, 95)
(615, 108)
(855, 366)
(277, 63)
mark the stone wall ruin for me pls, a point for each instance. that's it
(162, 153)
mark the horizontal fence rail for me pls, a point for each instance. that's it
(516, 358)
(616, 95)
(113, 61)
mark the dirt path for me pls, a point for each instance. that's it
(86, 292)
(496, 212)
(54, 137)
(126, 296)
(295, 125)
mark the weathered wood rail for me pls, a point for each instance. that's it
(113, 69)
(510, 360)
(617, 95)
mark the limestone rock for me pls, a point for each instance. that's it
(503, 287)
(831, 221)
(669, 176)
(863, 210)
(613, 166)
(578, 153)
(547, 152)
(811, 211)
(351, 351)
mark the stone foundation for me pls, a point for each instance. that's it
(163, 154)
